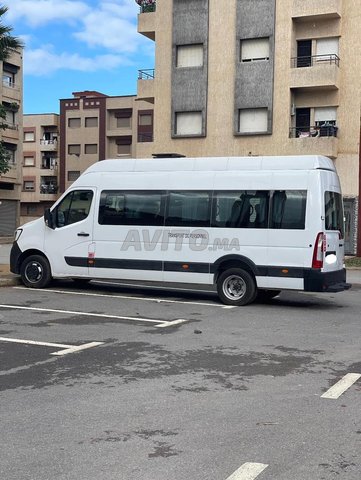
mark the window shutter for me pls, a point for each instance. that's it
(324, 114)
(190, 56)
(189, 123)
(255, 49)
(253, 120)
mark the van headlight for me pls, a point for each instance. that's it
(17, 234)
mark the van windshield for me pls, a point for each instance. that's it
(334, 212)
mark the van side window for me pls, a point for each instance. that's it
(242, 209)
(131, 208)
(188, 209)
(289, 209)
(334, 212)
(73, 208)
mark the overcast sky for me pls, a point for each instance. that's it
(78, 45)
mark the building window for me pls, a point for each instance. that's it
(31, 210)
(190, 56)
(29, 186)
(255, 49)
(327, 48)
(188, 123)
(123, 122)
(73, 175)
(253, 120)
(29, 136)
(145, 119)
(91, 122)
(74, 122)
(8, 79)
(124, 150)
(74, 150)
(29, 161)
(325, 115)
(91, 148)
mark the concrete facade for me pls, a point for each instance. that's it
(311, 100)
(11, 96)
(40, 164)
(94, 126)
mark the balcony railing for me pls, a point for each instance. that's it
(48, 189)
(314, 131)
(12, 85)
(12, 126)
(48, 142)
(146, 6)
(312, 60)
(146, 74)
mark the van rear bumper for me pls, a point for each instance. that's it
(317, 281)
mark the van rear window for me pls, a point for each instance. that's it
(334, 212)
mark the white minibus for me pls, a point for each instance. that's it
(253, 226)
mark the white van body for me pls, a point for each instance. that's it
(190, 220)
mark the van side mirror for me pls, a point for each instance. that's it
(49, 219)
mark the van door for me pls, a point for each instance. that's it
(334, 232)
(69, 244)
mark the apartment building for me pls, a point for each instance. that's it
(258, 77)
(11, 96)
(40, 164)
(94, 126)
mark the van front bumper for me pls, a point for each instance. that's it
(15, 254)
(332, 282)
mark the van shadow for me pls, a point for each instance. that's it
(287, 299)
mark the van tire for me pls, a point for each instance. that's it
(35, 272)
(236, 287)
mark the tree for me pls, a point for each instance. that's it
(8, 44)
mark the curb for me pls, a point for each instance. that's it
(9, 281)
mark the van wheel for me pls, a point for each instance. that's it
(35, 272)
(266, 295)
(236, 287)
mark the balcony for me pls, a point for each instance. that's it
(146, 18)
(11, 91)
(48, 145)
(315, 71)
(309, 11)
(315, 140)
(11, 131)
(146, 85)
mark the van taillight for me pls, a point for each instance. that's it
(319, 249)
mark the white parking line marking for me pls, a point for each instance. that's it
(248, 471)
(341, 386)
(65, 348)
(172, 323)
(33, 342)
(74, 349)
(70, 312)
(126, 297)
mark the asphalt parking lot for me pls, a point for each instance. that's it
(120, 382)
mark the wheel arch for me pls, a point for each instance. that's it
(234, 261)
(28, 253)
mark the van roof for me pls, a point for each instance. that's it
(297, 162)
